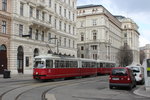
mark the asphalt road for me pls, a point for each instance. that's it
(93, 88)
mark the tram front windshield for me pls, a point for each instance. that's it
(39, 64)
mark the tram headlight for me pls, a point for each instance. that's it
(36, 73)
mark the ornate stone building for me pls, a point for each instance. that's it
(41, 27)
(101, 34)
(5, 32)
(146, 50)
(130, 36)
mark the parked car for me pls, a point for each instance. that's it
(122, 77)
(139, 73)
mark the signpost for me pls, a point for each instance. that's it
(146, 65)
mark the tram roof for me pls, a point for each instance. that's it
(50, 56)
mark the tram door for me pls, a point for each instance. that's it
(3, 59)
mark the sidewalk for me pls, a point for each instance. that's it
(142, 92)
(16, 77)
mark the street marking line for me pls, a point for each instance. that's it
(50, 97)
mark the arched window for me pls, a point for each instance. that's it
(94, 35)
(20, 59)
(36, 52)
(2, 47)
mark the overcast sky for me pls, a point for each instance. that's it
(138, 10)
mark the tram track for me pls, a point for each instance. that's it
(31, 86)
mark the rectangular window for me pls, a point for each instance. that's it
(94, 22)
(65, 27)
(49, 37)
(60, 25)
(82, 23)
(37, 34)
(69, 43)
(42, 38)
(69, 29)
(60, 41)
(50, 3)
(4, 5)
(30, 32)
(21, 9)
(55, 8)
(82, 55)
(65, 12)
(95, 56)
(50, 18)
(94, 47)
(82, 48)
(4, 27)
(20, 30)
(65, 42)
(82, 37)
(37, 14)
(55, 23)
(43, 16)
(31, 12)
(27, 61)
(60, 10)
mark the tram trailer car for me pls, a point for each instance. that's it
(104, 67)
(53, 67)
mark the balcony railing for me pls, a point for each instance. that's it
(41, 23)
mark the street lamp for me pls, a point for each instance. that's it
(56, 44)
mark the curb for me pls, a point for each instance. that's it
(142, 92)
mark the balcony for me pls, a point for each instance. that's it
(41, 4)
(39, 23)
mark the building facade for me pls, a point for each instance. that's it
(99, 33)
(41, 27)
(5, 32)
(146, 50)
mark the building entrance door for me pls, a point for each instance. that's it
(20, 56)
(3, 58)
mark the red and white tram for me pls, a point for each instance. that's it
(52, 67)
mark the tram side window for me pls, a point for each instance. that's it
(92, 65)
(67, 64)
(107, 65)
(57, 63)
(83, 65)
(112, 65)
(98, 65)
(104, 65)
(62, 64)
(49, 64)
(88, 64)
(148, 67)
(101, 65)
(75, 64)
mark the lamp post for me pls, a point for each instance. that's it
(56, 44)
